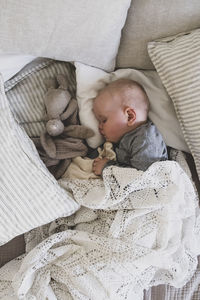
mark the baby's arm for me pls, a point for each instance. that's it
(98, 165)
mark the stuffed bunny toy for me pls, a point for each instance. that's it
(63, 137)
(56, 101)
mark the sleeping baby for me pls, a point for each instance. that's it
(122, 111)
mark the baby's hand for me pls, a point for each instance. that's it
(98, 165)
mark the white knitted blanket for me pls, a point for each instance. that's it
(135, 229)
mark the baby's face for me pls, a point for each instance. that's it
(111, 117)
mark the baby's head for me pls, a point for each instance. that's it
(120, 107)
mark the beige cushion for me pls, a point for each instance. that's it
(90, 80)
(29, 195)
(84, 30)
(177, 60)
(149, 20)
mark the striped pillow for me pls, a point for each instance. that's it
(29, 195)
(26, 92)
(177, 61)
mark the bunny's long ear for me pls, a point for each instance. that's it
(48, 144)
(62, 81)
(50, 83)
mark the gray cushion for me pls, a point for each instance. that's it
(149, 20)
(12, 249)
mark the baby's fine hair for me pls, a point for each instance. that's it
(132, 92)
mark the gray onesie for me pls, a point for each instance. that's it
(140, 148)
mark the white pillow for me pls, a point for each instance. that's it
(29, 195)
(11, 64)
(90, 80)
(83, 30)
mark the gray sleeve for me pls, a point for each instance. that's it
(139, 149)
(147, 149)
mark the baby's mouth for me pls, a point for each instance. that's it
(102, 133)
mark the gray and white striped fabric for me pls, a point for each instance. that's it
(29, 195)
(177, 61)
(26, 92)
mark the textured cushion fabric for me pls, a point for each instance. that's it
(84, 30)
(26, 92)
(150, 20)
(29, 195)
(90, 80)
(177, 60)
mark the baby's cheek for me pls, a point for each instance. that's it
(114, 129)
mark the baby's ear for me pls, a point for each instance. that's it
(131, 115)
